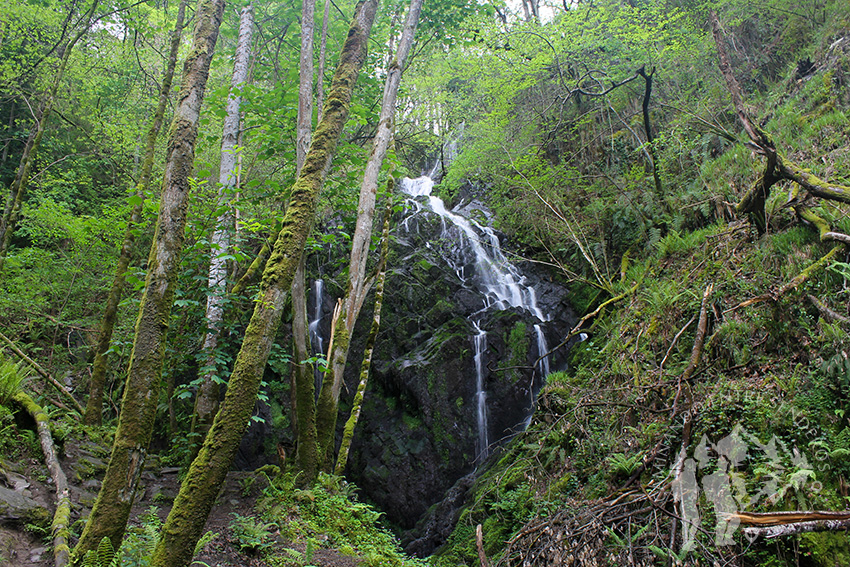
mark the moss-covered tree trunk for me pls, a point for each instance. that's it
(206, 401)
(141, 392)
(302, 387)
(62, 515)
(357, 404)
(110, 313)
(19, 185)
(197, 493)
(358, 285)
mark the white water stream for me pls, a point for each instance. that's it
(499, 282)
(317, 343)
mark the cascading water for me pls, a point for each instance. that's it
(498, 281)
(317, 343)
(480, 343)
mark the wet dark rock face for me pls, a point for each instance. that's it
(417, 434)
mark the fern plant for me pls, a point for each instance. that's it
(104, 556)
(12, 375)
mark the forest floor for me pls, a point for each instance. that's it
(84, 463)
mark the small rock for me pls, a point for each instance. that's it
(35, 554)
(16, 482)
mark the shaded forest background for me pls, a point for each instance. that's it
(698, 218)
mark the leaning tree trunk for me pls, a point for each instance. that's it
(206, 401)
(16, 195)
(109, 516)
(110, 313)
(357, 404)
(198, 491)
(358, 287)
(302, 387)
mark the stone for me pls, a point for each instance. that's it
(20, 509)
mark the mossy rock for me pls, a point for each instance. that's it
(20, 509)
(88, 467)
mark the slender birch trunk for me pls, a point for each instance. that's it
(358, 286)
(109, 516)
(357, 404)
(206, 401)
(302, 388)
(197, 493)
(110, 313)
(16, 194)
(320, 75)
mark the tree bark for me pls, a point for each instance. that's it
(62, 515)
(357, 284)
(302, 388)
(109, 516)
(357, 404)
(647, 126)
(110, 313)
(197, 493)
(206, 400)
(320, 75)
(19, 185)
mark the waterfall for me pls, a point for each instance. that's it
(496, 279)
(480, 344)
(317, 343)
(542, 351)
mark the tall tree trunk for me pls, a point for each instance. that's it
(304, 410)
(110, 313)
(206, 401)
(197, 493)
(109, 516)
(357, 284)
(16, 194)
(320, 75)
(357, 404)
(303, 388)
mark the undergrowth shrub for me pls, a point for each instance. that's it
(330, 512)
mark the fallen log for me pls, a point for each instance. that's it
(780, 518)
(771, 532)
(62, 516)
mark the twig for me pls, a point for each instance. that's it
(802, 277)
(826, 312)
(479, 542)
(675, 340)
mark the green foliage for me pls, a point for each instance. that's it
(330, 513)
(140, 541)
(253, 535)
(104, 556)
(12, 376)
